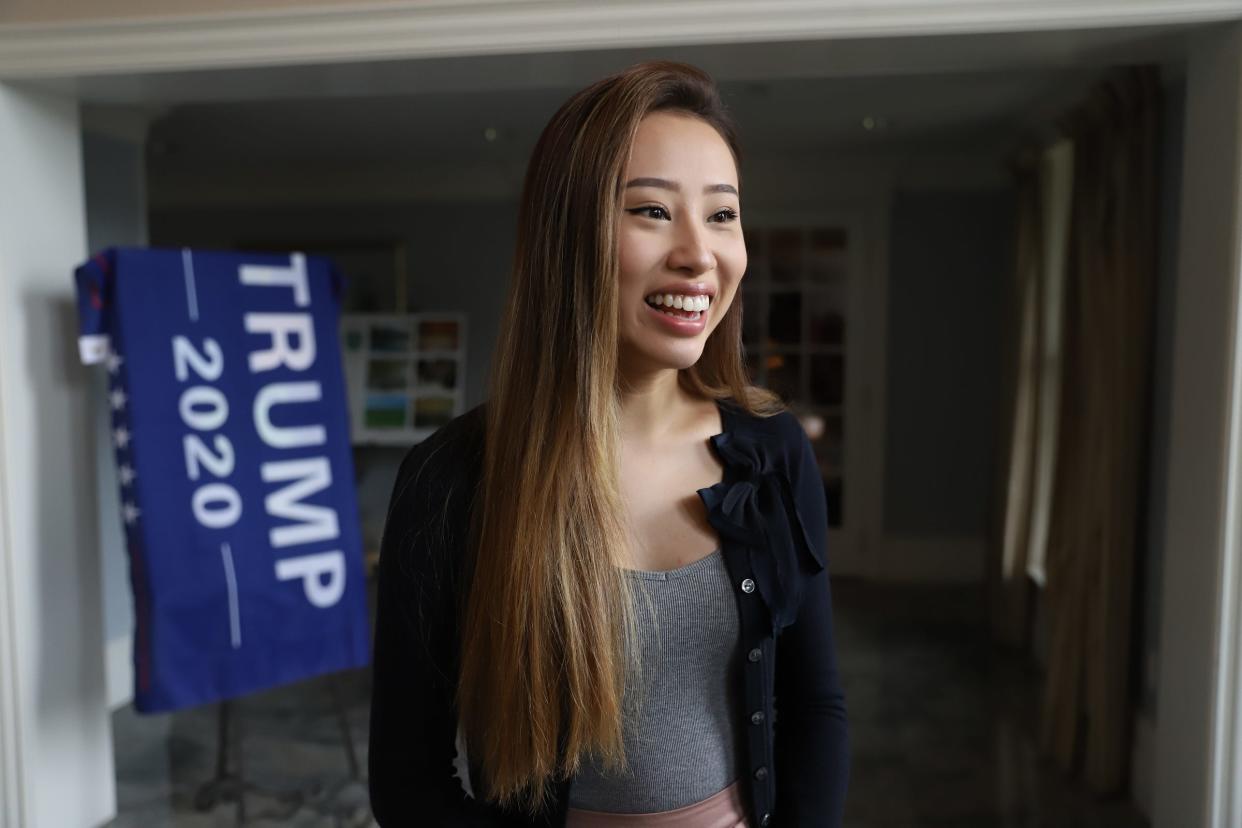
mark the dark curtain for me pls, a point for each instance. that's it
(1092, 546)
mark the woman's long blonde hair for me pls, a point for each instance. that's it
(547, 622)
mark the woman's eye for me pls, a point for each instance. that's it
(648, 210)
(652, 211)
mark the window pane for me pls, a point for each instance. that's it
(827, 311)
(753, 368)
(832, 494)
(783, 370)
(785, 318)
(827, 379)
(785, 256)
(830, 446)
(752, 310)
(828, 258)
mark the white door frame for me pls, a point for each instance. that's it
(1199, 740)
(1198, 744)
(56, 761)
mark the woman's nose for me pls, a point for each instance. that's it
(691, 252)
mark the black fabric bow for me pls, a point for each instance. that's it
(755, 506)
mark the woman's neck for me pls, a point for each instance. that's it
(655, 407)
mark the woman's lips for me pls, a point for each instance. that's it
(677, 325)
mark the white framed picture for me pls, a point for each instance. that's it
(405, 374)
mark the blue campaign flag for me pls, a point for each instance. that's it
(230, 424)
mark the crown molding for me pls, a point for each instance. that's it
(438, 28)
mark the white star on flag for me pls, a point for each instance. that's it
(121, 437)
(114, 362)
(118, 399)
(127, 475)
(131, 512)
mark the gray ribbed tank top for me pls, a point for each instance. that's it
(682, 740)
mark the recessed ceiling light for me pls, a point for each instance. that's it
(490, 133)
(874, 123)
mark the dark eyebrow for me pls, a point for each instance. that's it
(665, 184)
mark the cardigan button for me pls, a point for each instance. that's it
(761, 773)
(756, 717)
(754, 654)
(748, 586)
(766, 819)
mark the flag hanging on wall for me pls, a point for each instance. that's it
(230, 425)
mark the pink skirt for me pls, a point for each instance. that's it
(723, 809)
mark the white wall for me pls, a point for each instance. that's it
(57, 751)
(950, 269)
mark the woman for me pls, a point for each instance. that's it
(611, 576)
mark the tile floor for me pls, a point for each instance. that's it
(943, 725)
(942, 728)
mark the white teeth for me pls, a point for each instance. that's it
(696, 303)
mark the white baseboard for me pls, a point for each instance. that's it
(931, 560)
(120, 671)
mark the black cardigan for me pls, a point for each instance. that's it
(772, 519)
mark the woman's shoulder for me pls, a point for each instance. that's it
(781, 430)
(781, 438)
(438, 476)
(447, 450)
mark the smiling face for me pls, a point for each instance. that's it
(679, 238)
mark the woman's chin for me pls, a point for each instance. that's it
(677, 359)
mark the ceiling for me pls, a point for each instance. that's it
(792, 115)
(960, 93)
